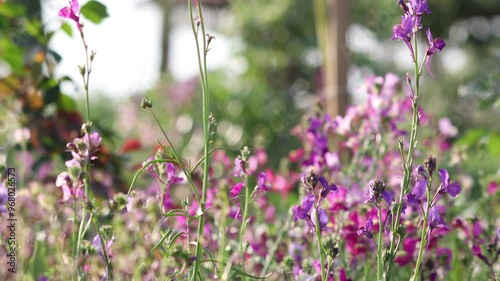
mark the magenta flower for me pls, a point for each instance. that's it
(452, 188)
(72, 12)
(434, 45)
(235, 191)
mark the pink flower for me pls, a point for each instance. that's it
(72, 12)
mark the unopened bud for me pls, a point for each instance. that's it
(146, 103)
(430, 165)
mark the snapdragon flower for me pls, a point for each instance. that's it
(72, 12)
(435, 45)
(447, 186)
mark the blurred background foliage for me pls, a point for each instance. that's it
(271, 82)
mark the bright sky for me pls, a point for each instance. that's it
(128, 46)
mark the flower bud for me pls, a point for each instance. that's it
(146, 103)
(430, 165)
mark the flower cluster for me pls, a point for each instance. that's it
(410, 24)
(82, 151)
(317, 189)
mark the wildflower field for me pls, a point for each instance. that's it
(390, 189)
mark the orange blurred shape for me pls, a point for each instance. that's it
(131, 145)
(39, 57)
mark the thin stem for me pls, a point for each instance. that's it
(320, 248)
(271, 255)
(408, 164)
(425, 229)
(244, 221)
(104, 251)
(205, 97)
(176, 156)
(380, 245)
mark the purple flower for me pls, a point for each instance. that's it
(444, 257)
(420, 7)
(72, 12)
(3, 197)
(434, 45)
(377, 192)
(236, 189)
(403, 6)
(452, 188)
(239, 168)
(365, 230)
(326, 187)
(420, 186)
(63, 181)
(69, 186)
(80, 147)
(302, 212)
(322, 216)
(172, 178)
(435, 220)
(404, 30)
(96, 243)
(262, 184)
(498, 232)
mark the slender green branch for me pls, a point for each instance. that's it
(320, 247)
(104, 250)
(176, 156)
(408, 163)
(244, 220)
(425, 229)
(205, 97)
(380, 243)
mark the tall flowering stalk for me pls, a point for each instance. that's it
(83, 150)
(317, 189)
(196, 23)
(406, 31)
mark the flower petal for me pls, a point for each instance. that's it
(65, 12)
(454, 189)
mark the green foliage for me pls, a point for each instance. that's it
(94, 11)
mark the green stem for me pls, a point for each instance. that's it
(320, 247)
(244, 221)
(425, 229)
(177, 158)
(271, 255)
(380, 245)
(205, 96)
(104, 251)
(408, 164)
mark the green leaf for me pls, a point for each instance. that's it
(10, 10)
(94, 11)
(472, 137)
(494, 144)
(67, 29)
(66, 103)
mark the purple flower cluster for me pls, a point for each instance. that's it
(82, 150)
(410, 24)
(317, 189)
